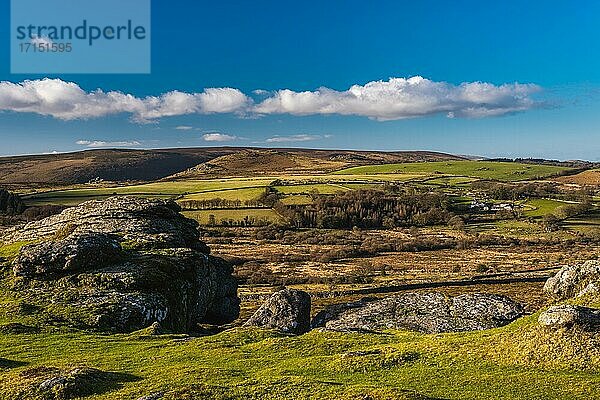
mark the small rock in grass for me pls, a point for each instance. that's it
(288, 311)
(568, 316)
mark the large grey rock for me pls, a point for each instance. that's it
(287, 311)
(73, 383)
(568, 316)
(428, 313)
(74, 253)
(141, 222)
(333, 311)
(573, 281)
(88, 280)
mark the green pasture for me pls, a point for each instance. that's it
(540, 207)
(310, 188)
(515, 362)
(502, 171)
(228, 194)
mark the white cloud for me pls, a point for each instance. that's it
(293, 138)
(67, 101)
(399, 98)
(102, 143)
(184, 128)
(396, 98)
(218, 137)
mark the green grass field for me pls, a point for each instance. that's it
(157, 188)
(502, 171)
(254, 364)
(228, 194)
(586, 223)
(305, 189)
(449, 181)
(539, 207)
(297, 199)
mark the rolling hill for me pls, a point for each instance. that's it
(252, 161)
(589, 177)
(111, 164)
(120, 165)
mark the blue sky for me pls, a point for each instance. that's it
(552, 46)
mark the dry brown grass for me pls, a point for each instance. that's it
(591, 177)
(294, 266)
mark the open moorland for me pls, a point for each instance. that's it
(342, 226)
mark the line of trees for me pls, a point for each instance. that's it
(370, 209)
(217, 203)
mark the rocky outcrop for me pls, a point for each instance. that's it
(10, 203)
(568, 316)
(574, 281)
(121, 264)
(142, 223)
(427, 312)
(334, 311)
(74, 253)
(288, 311)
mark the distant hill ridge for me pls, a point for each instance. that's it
(120, 165)
(298, 161)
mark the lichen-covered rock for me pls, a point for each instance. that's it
(333, 311)
(428, 313)
(287, 311)
(141, 222)
(73, 383)
(74, 253)
(573, 281)
(86, 279)
(568, 316)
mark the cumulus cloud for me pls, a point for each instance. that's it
(102, 143)
(399, 98)
(218, 137)
(396, 98)
(294, 138)
(67, 101)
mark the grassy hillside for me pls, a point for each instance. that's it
(211, 188)
(120, 165)
(243, 363)
(502, 171)
(111, 165)
(590, 177)
(299, 161)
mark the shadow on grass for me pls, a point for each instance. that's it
(102, 382)
(10, 364)
(75, 382)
